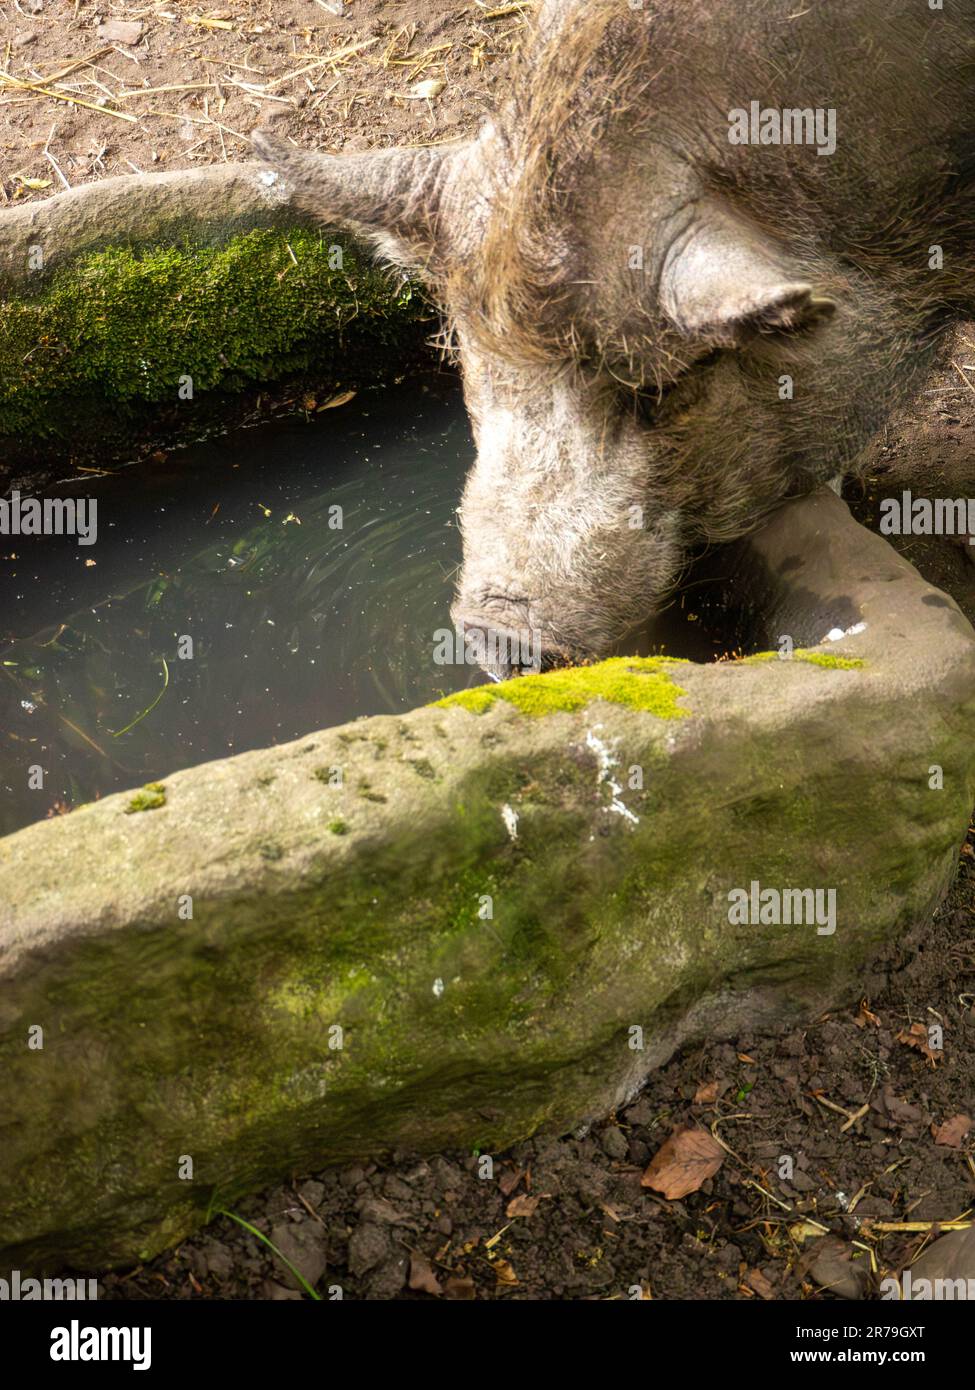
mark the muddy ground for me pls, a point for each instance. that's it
(870, 1122)
(180, 84)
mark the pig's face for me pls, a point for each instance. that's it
(612, 347)
(664, 333)
(565, 548)
(606, 436)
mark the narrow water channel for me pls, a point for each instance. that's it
(310, 564)
(244, 592)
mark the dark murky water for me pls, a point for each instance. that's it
(296, 625)
(311, 565)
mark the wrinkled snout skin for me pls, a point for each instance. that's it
(559, 551)
(670, 316)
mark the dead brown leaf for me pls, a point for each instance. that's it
(953, 1131)
(459, 1290)
(508, 1181)
(757, 1282)
(706, 1094)
(917, 1036)
(686, 1160)
(422, 1277)
(522, 1205)
(865, 1016)
(334, 402)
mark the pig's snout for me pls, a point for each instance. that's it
(504, 652)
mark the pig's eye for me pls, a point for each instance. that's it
(649, 406)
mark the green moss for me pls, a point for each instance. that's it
(150, 798)
(824, 659)
(832, 663)
(338, 827)
(131, 326)
(641, 682)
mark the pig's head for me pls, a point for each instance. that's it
(623, 329)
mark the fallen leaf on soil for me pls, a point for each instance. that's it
(744, 1057)
(522, 1205)
(950, 1257)
(757, 1282)
(459, 1290)
(422, 1277)
(865, 1016)
(706, 1094)
(504, 1273)
(833, 1267)
(917, 1036)
(953, 1131)
(509, 1181)
(686, 1160)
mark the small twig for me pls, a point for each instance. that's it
(831, 1105)
(918, 1225)
(75, 64)
(750, 1182)
(964, 378)
(62, 96)
(503, 10)
(56, 167)
(174, 87)
(259, 92)
(853, 1118)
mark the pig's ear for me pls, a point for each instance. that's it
(724, 283)
(390, 197)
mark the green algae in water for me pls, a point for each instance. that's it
(640, 682)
